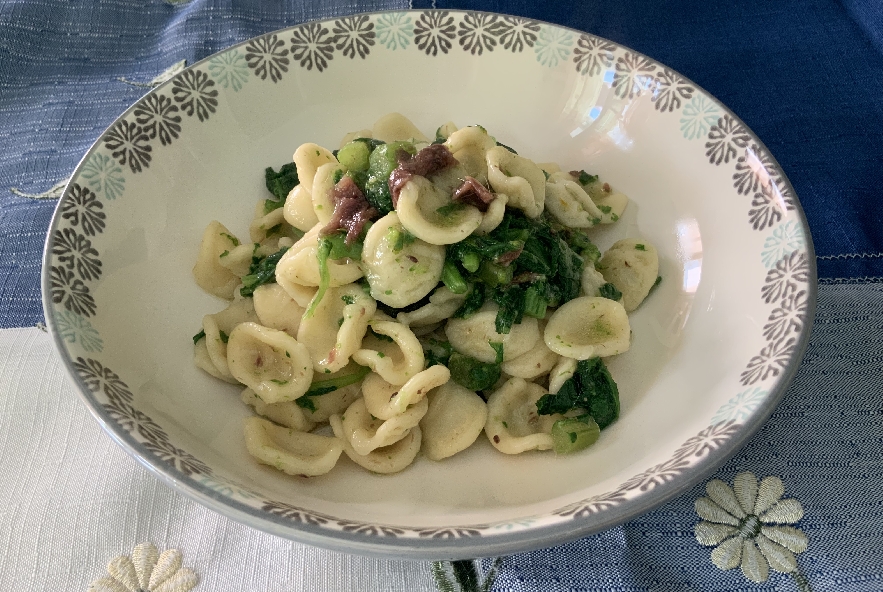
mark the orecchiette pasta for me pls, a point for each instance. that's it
(288, 414)
(385, 460)
(298, 209)
(218, 327)
(632, 266)
(397, 358)
(290, 451)
(513, 424)
(454, 420)
(385, 400)
(272, 363)
(429, 279)
(519, 178)
(421, 211)
(335, 330)
(210, 275)
(300, 266)
(473, 336)
(588, 327)
(399, 277)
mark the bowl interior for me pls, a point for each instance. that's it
(693, 339)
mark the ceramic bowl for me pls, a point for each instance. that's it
(713, 348)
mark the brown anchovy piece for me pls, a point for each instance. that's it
(351, 210)
(473, 193)
(431, 159)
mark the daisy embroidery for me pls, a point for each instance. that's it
(747, 526)
(147, 571)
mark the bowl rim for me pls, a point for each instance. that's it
(490, 543)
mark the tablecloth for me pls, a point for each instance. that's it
(806, 76)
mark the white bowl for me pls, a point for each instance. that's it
(713, 348)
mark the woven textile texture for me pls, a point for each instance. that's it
(806, 76)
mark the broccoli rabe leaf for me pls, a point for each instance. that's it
(262, 271)
(591, 390)
(472, 374)
(280, 184)
(198, 336)
(437, 352)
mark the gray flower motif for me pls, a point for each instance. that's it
(515, 33)
(476, 34)
(785, 278)
(434, 32)
(670, 90)
(592, 55)
(787, 318)
(354, 35)
(725, 139)
(129, 144)
(69, 291)
(767, 206)
(82, 208)
(294, 513)
(745, 525)
(193, 91)
(169, 453)
(104, 175)
(267, 56)
(76, 252)
(754, 169)
(99, 378)
(312, 45)
(772, 361)
(634, 74)
(157, 116)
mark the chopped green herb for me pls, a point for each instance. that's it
(224, 337)
(272, 204)
(306, 403)
(337, 176)
(453, 279)
(497, 346)
(348, 299)
(287, 355)
(231, 238)
(381, 355)
(224, 254)
(546, 175)
(610, 292)
(280, 184)
(585, 178)
(320, 387)
(512, 150)
(658, 281)
(505, 425)
(640, 247)
(262, 271)
(198, 336)
(605, 209)
(340, 322)
(277, 381)
(388, 292)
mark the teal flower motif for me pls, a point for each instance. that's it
(104, 175)
(698, 116)
(225, 488)
(785, 239)
(740, 407)
(395, 30)
(553, 46)
(73, 327)
(744, 525)
(229, 69)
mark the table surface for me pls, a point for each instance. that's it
(806, 76)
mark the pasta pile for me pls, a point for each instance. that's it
(410, 294)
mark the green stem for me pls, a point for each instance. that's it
(801, 581)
